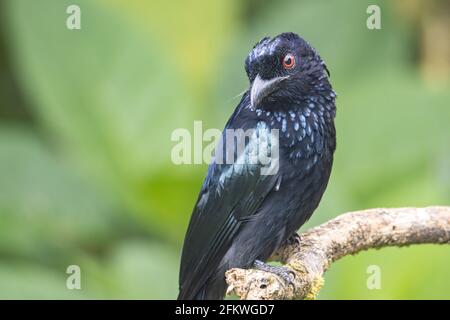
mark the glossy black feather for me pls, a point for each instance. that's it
(242, 215)
(219, 213)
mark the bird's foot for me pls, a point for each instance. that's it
(294, 239)
(284, 273)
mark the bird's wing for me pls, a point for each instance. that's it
(231, 195)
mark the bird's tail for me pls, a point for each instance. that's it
(185, 295)
(210, 291)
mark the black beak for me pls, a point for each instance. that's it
(262, 88)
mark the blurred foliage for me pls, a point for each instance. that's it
(86, 120)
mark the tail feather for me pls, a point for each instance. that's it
(212, 290)
(185, 295)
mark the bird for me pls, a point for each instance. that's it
(243, 214)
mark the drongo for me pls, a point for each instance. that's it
(243, 214)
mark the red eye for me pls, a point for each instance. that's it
(288, 61)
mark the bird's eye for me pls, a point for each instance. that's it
(288, 61)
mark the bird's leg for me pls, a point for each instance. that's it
(283, 272)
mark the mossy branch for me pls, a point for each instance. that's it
(345, 235)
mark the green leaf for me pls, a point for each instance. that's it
(23, 281)
(46, 207)
(140, 270)
(113, 92)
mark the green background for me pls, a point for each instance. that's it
(86, 117)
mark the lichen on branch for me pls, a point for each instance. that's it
(344, 235)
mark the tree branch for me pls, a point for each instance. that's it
(347, 234)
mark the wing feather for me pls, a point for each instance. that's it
(231, 194)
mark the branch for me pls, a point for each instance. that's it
(347, 234)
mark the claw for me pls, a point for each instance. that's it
(294, 239)
(286, 274)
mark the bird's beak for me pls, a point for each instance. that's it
(262, 88)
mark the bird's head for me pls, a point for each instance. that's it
(284, 69)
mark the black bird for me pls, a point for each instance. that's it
(242, 214)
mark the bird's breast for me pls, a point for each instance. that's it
(305, 133)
